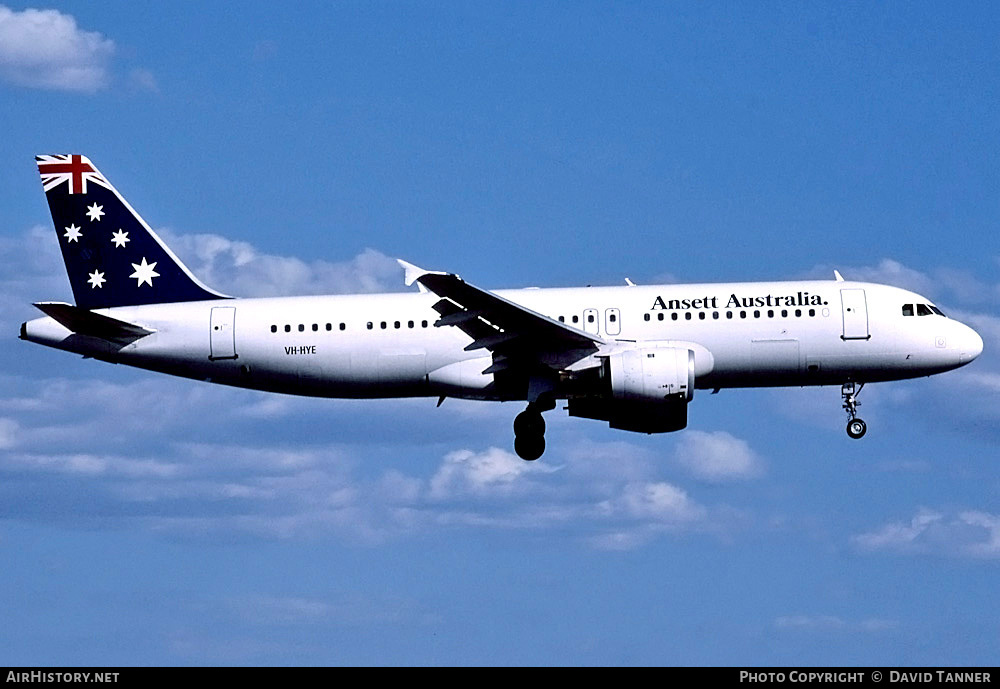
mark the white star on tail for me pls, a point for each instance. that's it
(144, 272)
(119, 238)
(73, 234)
(96, 279)
(95, 212)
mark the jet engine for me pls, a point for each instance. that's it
(644, 390)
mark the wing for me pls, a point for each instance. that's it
(516, 336)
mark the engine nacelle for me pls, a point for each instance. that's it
(644, 390)
(651, 374)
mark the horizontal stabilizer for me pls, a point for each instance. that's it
(84, 322)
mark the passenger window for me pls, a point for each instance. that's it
(370, 325)
(302, 328)
(343, 326)
(798, 313)
(659, 316)
(701, 315)
(770, 313)
(274, 328)
(590, 318)
(315, 327)
(729, 315)
(409, 324)
(612, 318)
(576, 319)
(645, 317)
(329, 327)
(756, 314)
(384, 325)
(396, 325)
(784, 313)
(923, 310)
(562, 319)
(423, 324)
(715, 315)
(687, 316)
(907, 309)
(812, 312)
(743, 314)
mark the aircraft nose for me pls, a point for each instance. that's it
(971, 344)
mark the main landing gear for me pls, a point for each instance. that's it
(529, 432)
(856, 428)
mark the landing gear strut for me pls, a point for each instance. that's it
(529, 433)
(856, 428)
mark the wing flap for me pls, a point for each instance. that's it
(503, 327)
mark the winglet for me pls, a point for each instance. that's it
(412, 273)
(836, 274)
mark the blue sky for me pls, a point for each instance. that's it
(147, 520)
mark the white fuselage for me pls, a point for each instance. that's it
(386, 345)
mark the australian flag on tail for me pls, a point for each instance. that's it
(112, 256)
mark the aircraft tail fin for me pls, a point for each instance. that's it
(112, 256)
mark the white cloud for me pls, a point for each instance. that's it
(345, 610)
(45, 49)
(621, 540)
(833, 623)
(90, 464)
(717, 456)
(8, 433)
(493, 470)
(31, 269)
(660, 501)
(239, 269)
(887, 272)
(143, 80)
(138, 459)
(971, 534)
(937, 284)
(810, 622)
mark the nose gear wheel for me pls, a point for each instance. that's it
(856, 428)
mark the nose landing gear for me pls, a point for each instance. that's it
(529, 432)
(856, 428)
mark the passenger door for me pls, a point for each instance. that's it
(223, 333)
(855, 313)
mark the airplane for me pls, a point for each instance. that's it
(629, 355)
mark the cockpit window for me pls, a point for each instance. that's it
(922, 310)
